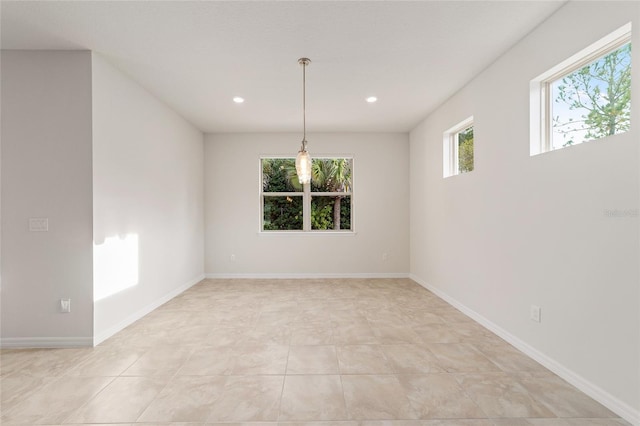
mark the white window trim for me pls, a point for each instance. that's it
(539, 88)
(306, 195)
(450, 154)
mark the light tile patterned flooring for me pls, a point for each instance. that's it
(350, 352)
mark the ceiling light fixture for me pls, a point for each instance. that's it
(238, 99)
(371, 99)
(303, 159)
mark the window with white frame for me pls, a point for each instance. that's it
(584, 98)
(458, 148)
(323, 205)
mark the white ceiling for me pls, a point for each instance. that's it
(197, 55)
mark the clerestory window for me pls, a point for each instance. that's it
(584, 98)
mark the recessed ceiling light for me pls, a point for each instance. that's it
(371, 99)
(238, 99)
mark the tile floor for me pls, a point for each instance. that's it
(347, 352)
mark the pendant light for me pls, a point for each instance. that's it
(303, 159)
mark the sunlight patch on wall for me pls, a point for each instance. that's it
(115, 265)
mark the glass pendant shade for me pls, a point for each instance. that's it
(303, 166)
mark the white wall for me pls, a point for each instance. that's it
(46, 172)
(380, 203)
(148, 201)
(523, 230)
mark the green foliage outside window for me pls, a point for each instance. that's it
(279, 175)
(322, 213)
(283, 213)
(593, 101)
(465, 150)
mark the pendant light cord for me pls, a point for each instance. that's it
(304, 62)
(304, 105)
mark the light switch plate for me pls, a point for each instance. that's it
(534, 313)
(38, 224)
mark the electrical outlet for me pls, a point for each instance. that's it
(385, 257)
(534, 313)
(38, 224)
(65, 306)
(232, 257)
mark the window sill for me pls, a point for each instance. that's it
(306, 233)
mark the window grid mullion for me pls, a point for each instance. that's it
(330, 194)
(306, 208)
(456, 152)
(282, 194)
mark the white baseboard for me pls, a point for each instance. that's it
(44, 342)
(307, 275)
(99, 338)
(621, 408)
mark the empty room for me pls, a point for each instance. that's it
(334, 213)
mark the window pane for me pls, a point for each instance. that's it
(282, 213)
(323, 213)
(279, 175)
(331, 175)
(593, 101)
(465, 150)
